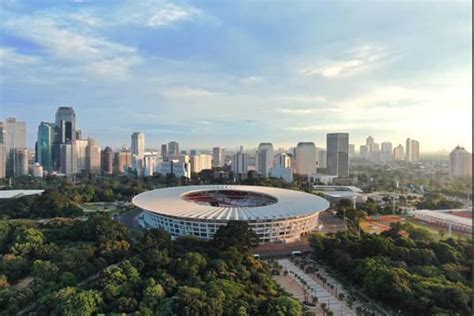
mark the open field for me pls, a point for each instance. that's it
(434, 229)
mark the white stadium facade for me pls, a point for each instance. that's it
(276, 215)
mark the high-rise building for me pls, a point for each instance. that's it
(218, 156)
(3, 161)
(370, 143)
(412, 150)
(280, 172)
(364, 151)
(36, 170)
(138, 145)
(201, 162)
(240, 163)
(93, 159)
(351, 150)
(44, 146)
(150, 163)
(20, 162)
(80, 146)
(123, 160)
(164, 152)
(14, 137)
(337, 145)
(283, 160)
(321, 158)
(460, 163)
(173, 148)
(68, 159)
(66, 124)
(387, 152)
(107, 161)
(178, 169)
(398, 153)
(264, 158)
(305, 155)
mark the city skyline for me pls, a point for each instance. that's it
(220, 75)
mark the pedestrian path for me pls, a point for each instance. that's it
(324, 295)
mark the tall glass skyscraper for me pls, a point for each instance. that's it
(337, 146)
(45, 145)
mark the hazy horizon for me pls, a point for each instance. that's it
(229, 74)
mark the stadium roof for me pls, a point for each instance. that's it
(172, 202)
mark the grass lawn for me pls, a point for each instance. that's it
(434, 230)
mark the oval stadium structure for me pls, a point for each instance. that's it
(276, 215)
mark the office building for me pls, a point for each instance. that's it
(20, 162)
(183, 158)
(36, 170)
(68, 159)
(460, 163)
(364, 151)
(351, 150)
(44, 146)
(337, 145)
(123, 160)
(150, 164)
(398, 153)
(218, 156)
(386, 154)
(80, 146)
(93, 158)
(305, 155)
(264, 157)
(108, 161)
(173, 148)
(321, 158)
(14, 137)
(283, 160)
(3, 161)
(201, 162)
(138, 145)
(65, 124)
(164, 152)
(174, 167)
(239, 163)
(412, 150)
(370, 143)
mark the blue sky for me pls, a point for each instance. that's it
(227, 73)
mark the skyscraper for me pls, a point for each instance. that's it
(14, 137)
(44, 147)
(412, 150)
(173, 148)
(283, 160)
(364, 151)
(264, 158)
(201, 162)
(107, 161)
(370, 143)
(68, 159)
(351, 150)
(20, 161)
(218, 156)
(460, 163)
(138, 144)
(337, 145)
(80, 146)
(321, 158)
(387, 150)
(239, 163)
(305, 155)
(123, 160)
(398, 153)
(164, 152)
(66, 124)
(93, 159)
(3, 152)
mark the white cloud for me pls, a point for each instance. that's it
(169, 13)
(9, 56)
(353, 61)
(189, 93)
(304, 111)
(305, 98)
(75, 45)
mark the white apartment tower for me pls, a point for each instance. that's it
(460, 163)
(305, 155)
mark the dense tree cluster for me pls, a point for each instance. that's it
(85, 267)
(415, 274)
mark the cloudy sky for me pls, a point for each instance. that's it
(227, 73)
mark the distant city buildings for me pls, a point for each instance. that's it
(201, 162)
(68, 159)
(44, 146)
(239, 163)
(93, 157)
(412, 150)
(305, 155)
(460, 163)
(264, 158)
(218, 156)
(337, 145)
(398, 153)
(108, 161)
(173, 148)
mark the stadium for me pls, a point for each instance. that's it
(276, 215)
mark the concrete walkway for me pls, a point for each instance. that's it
(324, 295)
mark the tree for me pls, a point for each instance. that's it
(236, 234)
(287, 306)
(70, 301)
